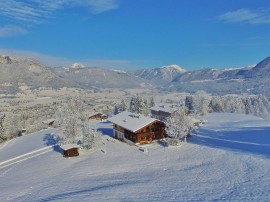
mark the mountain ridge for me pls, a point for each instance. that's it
(250, 79)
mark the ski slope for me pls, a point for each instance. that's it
(226, 160)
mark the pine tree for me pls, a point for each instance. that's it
(152, 102)
(132, 105)
(139, 105)
(123, 106)
(189, 103)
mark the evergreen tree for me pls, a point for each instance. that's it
(132, 105)
(123, 106)
(139, 105)
(189, 103)
(152, 102)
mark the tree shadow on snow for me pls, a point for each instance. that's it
(105, 130)
(254, 140)
(52, 140)
(58, 149)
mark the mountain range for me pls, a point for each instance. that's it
(16, 71)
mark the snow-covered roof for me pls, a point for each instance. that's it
(69, 146)
(48, 121)
(169, 108)
(131, 121)
(96, 113)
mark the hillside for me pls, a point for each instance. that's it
(26, 71)
(228, 160)
(162, 75)
(101, 78)
(16, 72)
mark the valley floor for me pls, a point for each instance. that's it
(226, 160)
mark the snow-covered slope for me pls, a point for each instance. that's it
(228, 160)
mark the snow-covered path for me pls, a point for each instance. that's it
(25, 144)
(195, 171)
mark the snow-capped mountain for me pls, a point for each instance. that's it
(161, 75)
(101, 78)
(77, 66)
(250, 79)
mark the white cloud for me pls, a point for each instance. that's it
(11, 30)
(36, 11)
(248, 16)
(97, 6)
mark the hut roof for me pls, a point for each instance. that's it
(69, 146)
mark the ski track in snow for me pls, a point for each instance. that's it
(24, 157)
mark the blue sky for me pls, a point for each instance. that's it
(135, 34)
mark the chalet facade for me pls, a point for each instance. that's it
(163, 111)
(138, 129)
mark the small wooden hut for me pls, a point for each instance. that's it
(70, 150)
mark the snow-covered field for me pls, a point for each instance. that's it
(227, 160)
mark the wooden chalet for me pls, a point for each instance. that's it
(163, 111)
(98, 116)
(70, 150)
(138, 129)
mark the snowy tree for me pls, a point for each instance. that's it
(2, 130)
(132, 105)
(91, 138)
(152, 102)
(11, 126)
(178, 126)
(217, 104)
(201, 102)
(123, 106)
(116, 110)
(71, 115)
(189, 103)
(140, 107)
(137, 105)
(75, 124)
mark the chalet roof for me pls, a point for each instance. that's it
(131, 121)
(69, 146)
(169, 108)
(48, 121)
(96, 113)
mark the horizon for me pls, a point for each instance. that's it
(130, 35)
